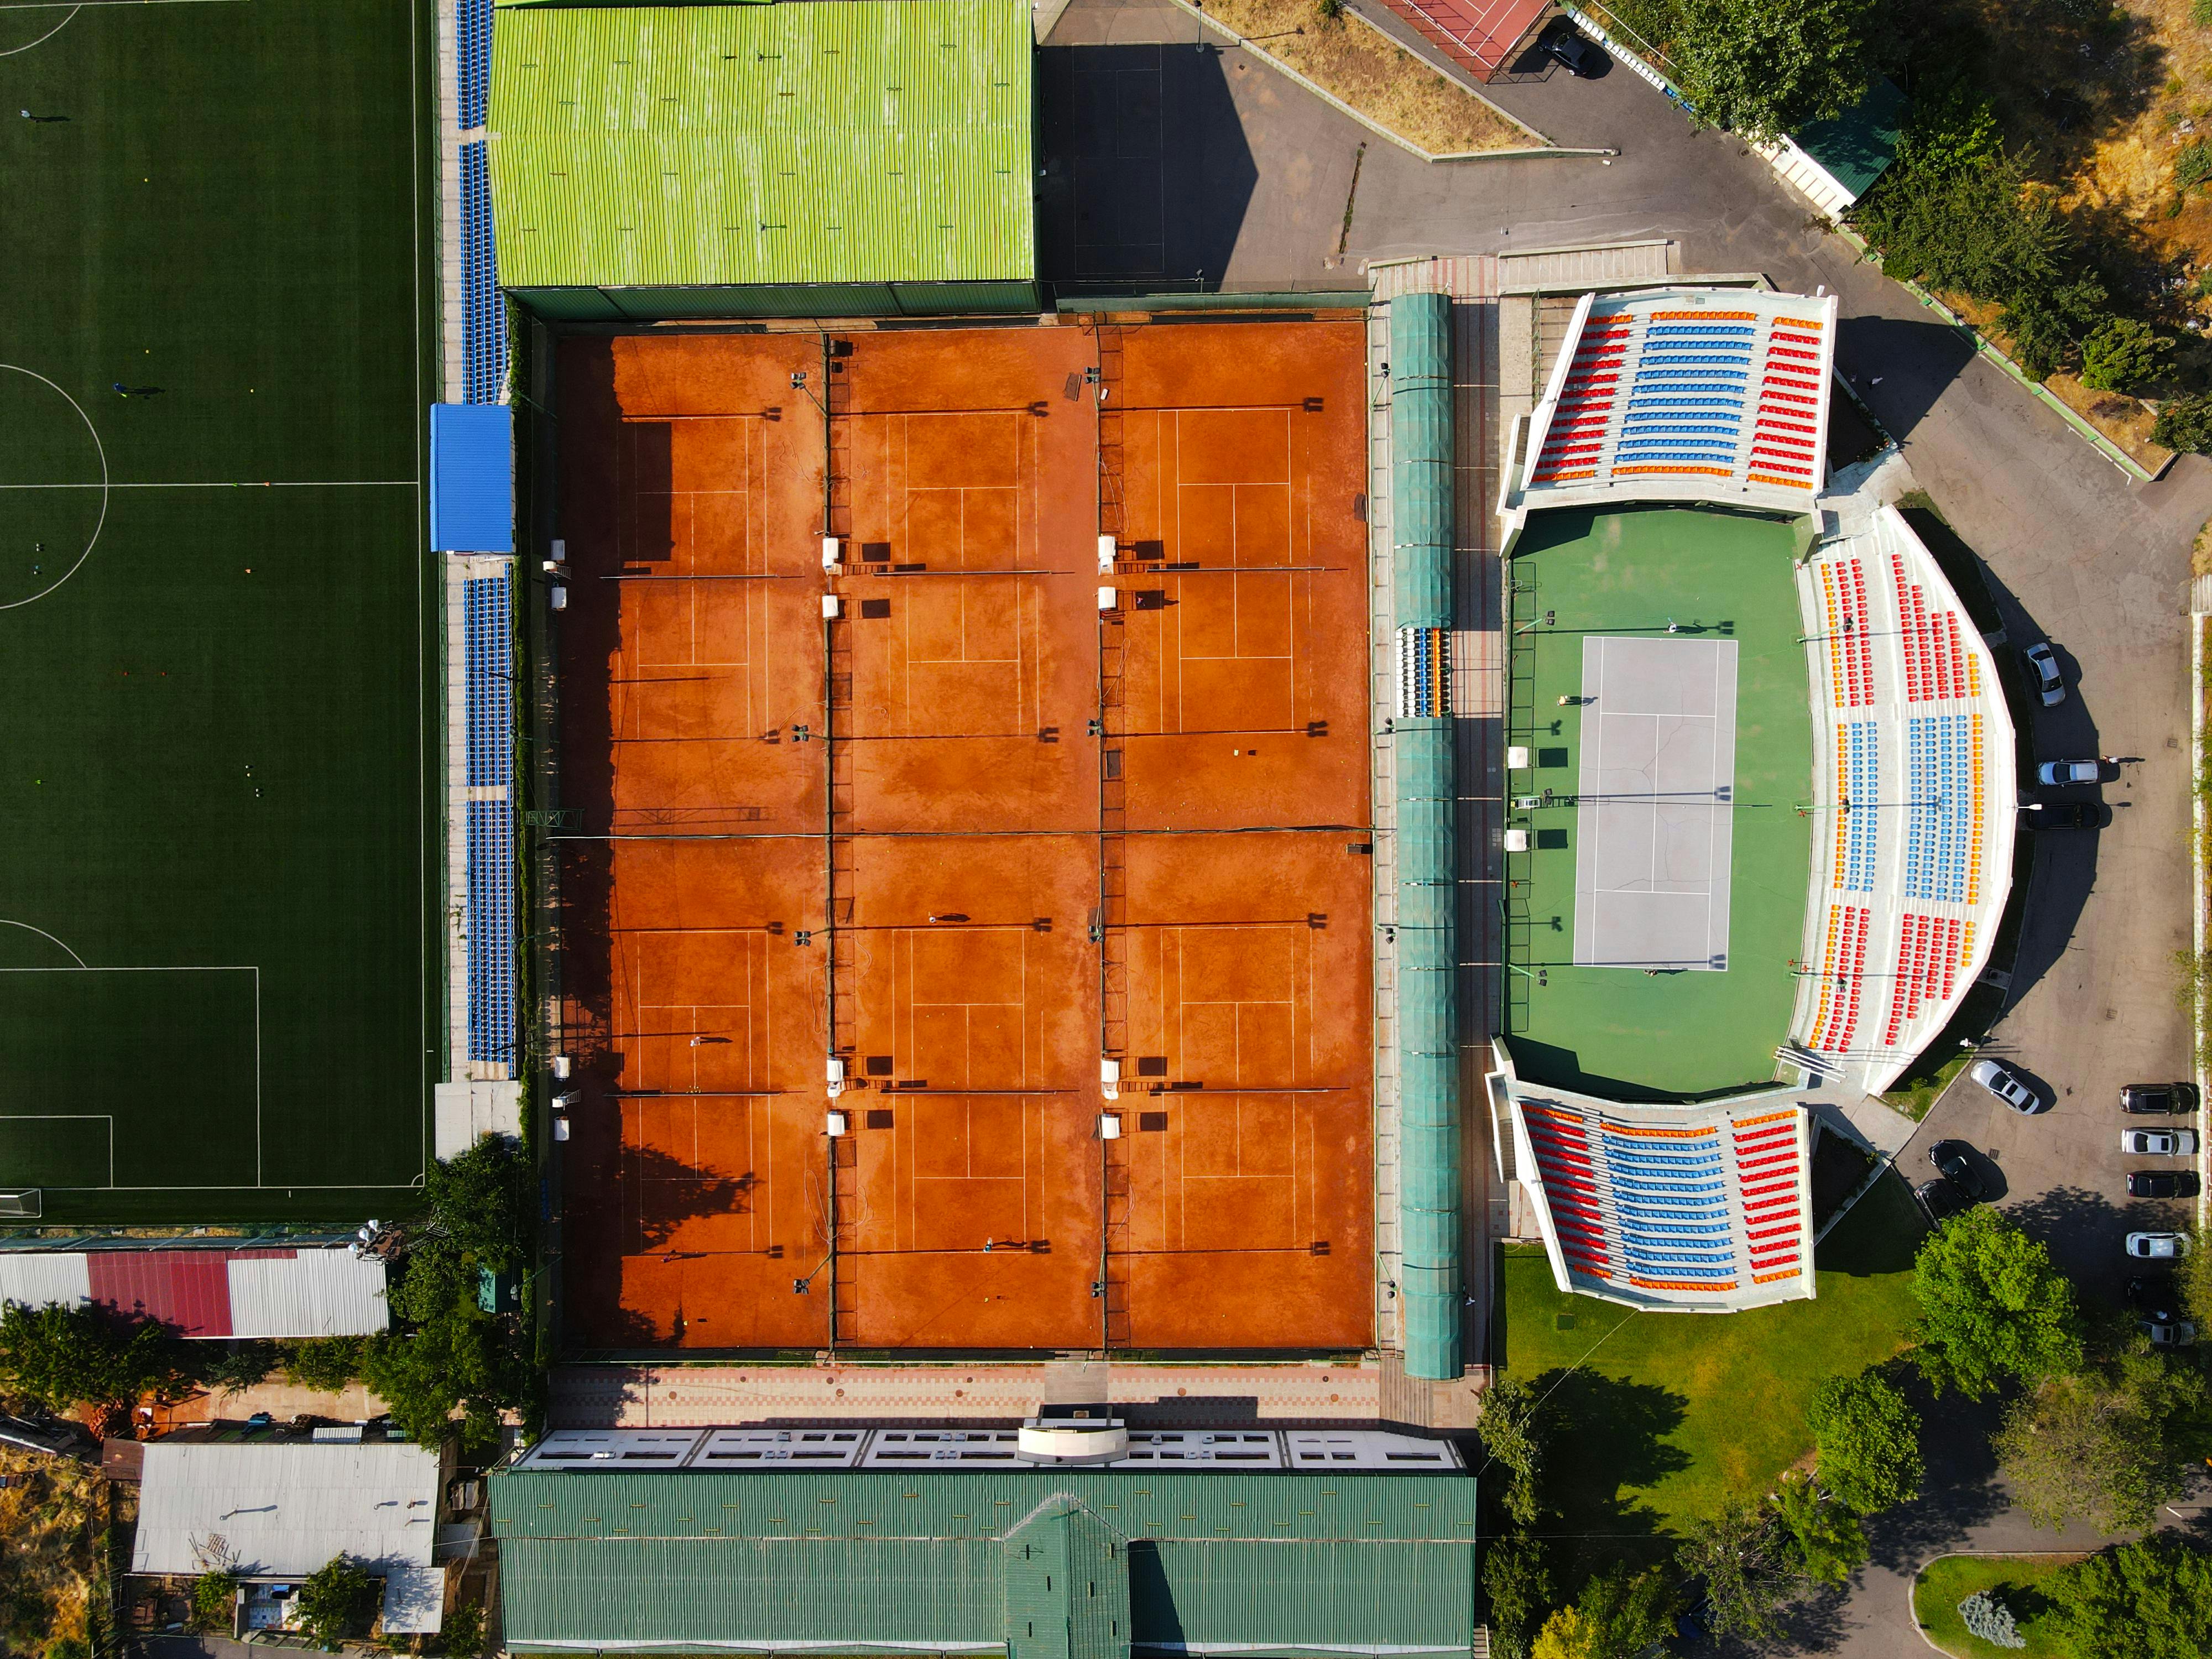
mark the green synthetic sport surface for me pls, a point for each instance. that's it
(215, 610)
(1619, 1031)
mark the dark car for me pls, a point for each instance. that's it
(2172, 1098)
(1579, 55)
(1942, 1197)
(2152, 1295)
(2065, 815)
(1950, 1158)
(2161, 1183)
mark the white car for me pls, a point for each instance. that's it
(2043, 665)
(2178, 1334)
(2158, 1142)
(2059, 774)
(2157, 1247)
(2004, 1085)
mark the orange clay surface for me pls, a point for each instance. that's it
(967, 835)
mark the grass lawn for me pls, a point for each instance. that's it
(2017, 1579)
(1578, 574)
(1670, 1415)
(220, 1000)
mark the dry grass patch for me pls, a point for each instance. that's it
(53, 1525)
(1351, 59)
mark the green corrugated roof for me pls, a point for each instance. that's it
(1079, 1562)
(1857, 147)
(819, 141)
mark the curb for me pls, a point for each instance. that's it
(1546, 148)
(2197, 616)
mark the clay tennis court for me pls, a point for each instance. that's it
(967, 835)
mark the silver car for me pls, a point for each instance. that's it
(2157, 1247)
(2043, 666)
(2060, 772)
(2005, 1087)
(2158, 1142)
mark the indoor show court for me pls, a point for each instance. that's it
(967, 835)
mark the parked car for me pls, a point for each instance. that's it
(2005, 1087)
(2156, 1247)
(2043, 673)
(2060, 772)
(1950, 1158)
(2152, 1296)
(2161, 1183)
(2158, 1142)
(1575, 52)
(2172, 1099)
(2065, 815)
(1942, 1199)
(2169, 1333)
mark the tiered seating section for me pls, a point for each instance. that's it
(1943, 818)
(1424, 673)
(472, 43)
(1767, 1177)
(1919, 768)
(483, 316)
(488, 659)
(1842, 978)
(1706, 1206)
(1657, 389)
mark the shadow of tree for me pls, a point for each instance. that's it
(1608, 1435)
(2082, 1230)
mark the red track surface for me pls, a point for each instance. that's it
(976, 828)
(1478, 35)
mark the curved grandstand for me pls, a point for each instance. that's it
(1759, 787)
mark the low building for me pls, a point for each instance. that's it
(275, 1510)
(896, 1541)
(267, 1293)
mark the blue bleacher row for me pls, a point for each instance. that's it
(1696, 1238)
(472, 40)
(491, 931)
(1864, 738)
(483, 323)
(1938, 783)
(487, 676)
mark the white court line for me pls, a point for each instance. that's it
(190, 967)
(45, 935)
(79, 5)
(107, 1118)
(14, 50)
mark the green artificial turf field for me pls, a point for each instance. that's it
(1668, 1415)
(1619, 1031)
(216, 990)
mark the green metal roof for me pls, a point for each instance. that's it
(817, 141)
(1045, 1564)
(1857, 147)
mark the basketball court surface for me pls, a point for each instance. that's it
(1655, 803)
(961, 833)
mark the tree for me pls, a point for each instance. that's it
(1829, 1543)
(2184, 423)
(327, 1363)
(1992, 1306)
(2194, 1279)
(1749, 1576)
(476, 1206)
(2123, 356)
(215, 1601)
(65, 1356)
(1971, 224)
(1513, 1436)
(1764, 68)
(229, 1367)
(336, 1601)
(1616, 1617)
(1868, 1437)
(2046, 322)
(2076, 1447)
(463, 1635)
(1519, 1587)
(2151, 1600)
(1992, 1620)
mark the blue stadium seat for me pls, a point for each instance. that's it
(483, 316)
(472, 21)
(487, 605)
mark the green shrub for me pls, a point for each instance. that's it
(2184, 423)
(327, 1363)
(214, 1598)
(336, 1601)
(2123, 356)
(2193, 166)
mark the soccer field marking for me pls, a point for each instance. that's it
(100, 448)
(75, 8)
(44, 934)
(208, 968)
